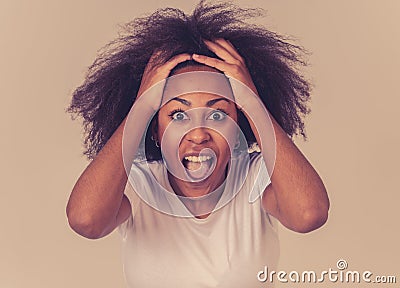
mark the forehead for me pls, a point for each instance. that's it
(203, 84)
(199, 99)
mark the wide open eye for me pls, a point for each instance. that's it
(178, 115)
(217, 115)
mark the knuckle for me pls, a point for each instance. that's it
(236, 69)
(241, 60)
(237, 63)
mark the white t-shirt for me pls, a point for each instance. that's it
(227, 249)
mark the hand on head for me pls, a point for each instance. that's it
(232, 64)
(155, 72)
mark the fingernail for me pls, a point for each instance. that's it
(195, 55)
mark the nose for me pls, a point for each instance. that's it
(198, 135)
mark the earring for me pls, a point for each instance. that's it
(155, 141)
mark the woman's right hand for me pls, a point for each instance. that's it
(97, 204)
(155, 72)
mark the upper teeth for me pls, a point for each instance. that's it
(197, 159)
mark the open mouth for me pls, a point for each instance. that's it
(199, 167)
(195, 162)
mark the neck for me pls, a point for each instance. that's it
(199, 198)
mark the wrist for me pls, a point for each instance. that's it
(244, 95)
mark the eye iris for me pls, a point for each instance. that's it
(179, 116)
(216, 116)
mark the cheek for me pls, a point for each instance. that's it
(171, 135)
(171, 138)
(226, 134)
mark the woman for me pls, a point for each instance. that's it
(198, 88)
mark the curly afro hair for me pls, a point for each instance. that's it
(112, 82)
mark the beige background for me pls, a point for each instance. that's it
(353, 135)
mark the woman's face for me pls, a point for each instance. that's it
(197, 132)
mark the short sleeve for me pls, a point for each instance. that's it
(134, 200)
(260, 176)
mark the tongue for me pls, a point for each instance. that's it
(193, 165)
(199, 170)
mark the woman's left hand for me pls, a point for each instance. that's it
(296, 196)
(232, 64)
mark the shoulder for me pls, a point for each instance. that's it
(146, 172)
(250, 170)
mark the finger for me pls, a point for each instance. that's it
(220, 51)
(171, 63)
(155, 54)
(153, 58)
(212, 62)
(154, 72)
(228, 46)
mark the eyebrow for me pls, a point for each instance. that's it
(208, 104)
